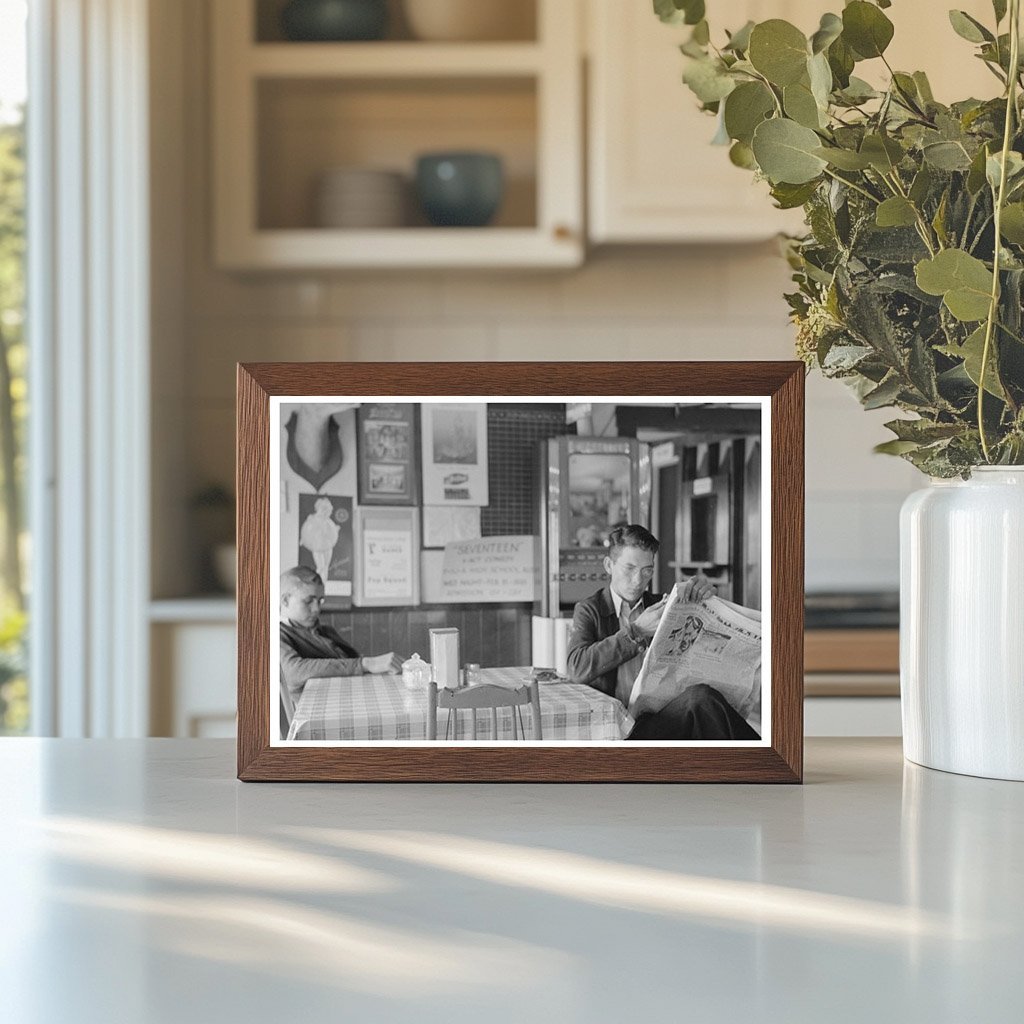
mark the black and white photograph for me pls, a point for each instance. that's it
(600, 580)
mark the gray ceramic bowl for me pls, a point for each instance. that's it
(334, 20)
(460, 189)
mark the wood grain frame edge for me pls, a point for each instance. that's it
(782, 382)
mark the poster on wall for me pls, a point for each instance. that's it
(386, 441)
(387, 557)
(325, 541)
(443, 524)
(455, 453)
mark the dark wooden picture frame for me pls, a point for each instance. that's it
(782, 383)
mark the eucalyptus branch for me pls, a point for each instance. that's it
(853, 185)
(993, 308)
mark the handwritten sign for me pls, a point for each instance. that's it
(387, 569)
(490, 569)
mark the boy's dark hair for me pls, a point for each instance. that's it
(301, 574)
(631, 537)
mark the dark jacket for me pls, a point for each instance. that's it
(312, 654)
(598, 644)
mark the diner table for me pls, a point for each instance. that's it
(382, 707)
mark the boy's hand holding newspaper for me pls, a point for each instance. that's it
(697, 589)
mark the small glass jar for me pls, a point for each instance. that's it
(471, 674)
(415, 673)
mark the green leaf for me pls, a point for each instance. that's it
(924, 88)
(800, 105)
(885, 394)
(778, 50)
(745, 108)
(923, 431)
(707, 80)
(895, 447)
(971, 352)
(789, 197)
(820, 76)
(841, 60)
(701, 33)
(844, 159)
(830, 28)
(883, 153)
(963, 281)
(742, 155)
(921, 185)
(968, 28)
(896, 212)
(1011, 226)
(994, 167)
(976, 174)
(676, 12)
(999, 7)
(785, 152)
(939, 220)
(739, 41)
(946, 156)
(866, 29)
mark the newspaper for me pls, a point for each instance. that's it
(714, 642)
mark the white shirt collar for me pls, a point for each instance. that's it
(619, 601)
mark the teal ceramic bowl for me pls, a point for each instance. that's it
(332, 21)
(460, 189)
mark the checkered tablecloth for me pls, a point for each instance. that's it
(382, 708)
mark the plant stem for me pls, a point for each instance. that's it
(993, 309)
(855, 187)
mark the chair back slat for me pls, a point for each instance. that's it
(484, 696)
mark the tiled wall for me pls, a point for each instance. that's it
(702, 302)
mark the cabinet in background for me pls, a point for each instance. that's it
(653, 175)
(285, 114)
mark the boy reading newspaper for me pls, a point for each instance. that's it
(714, 642)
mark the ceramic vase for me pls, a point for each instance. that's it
(334, 20)
(962, 624)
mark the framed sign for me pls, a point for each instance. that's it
(386, 439)
(454, 453)
(387, 557)
(700, 681)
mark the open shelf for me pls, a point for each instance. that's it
(393, 60)
(519, 18)
(287, 113)
(306, 128)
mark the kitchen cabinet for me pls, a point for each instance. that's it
(653, 175)
(287, 113)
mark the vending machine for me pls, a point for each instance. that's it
(586, 486)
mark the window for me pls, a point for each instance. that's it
(14, 552)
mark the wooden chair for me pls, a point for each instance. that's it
(483, 697)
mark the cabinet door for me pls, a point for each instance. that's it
(653, 175)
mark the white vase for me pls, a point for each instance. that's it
(962, 624)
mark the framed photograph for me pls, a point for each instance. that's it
(387, 444)
(627, 608)
(454, 453)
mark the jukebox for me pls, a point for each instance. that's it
(586, 487)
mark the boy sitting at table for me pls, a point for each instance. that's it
(310, 650)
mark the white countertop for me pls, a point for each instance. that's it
(142, 883)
